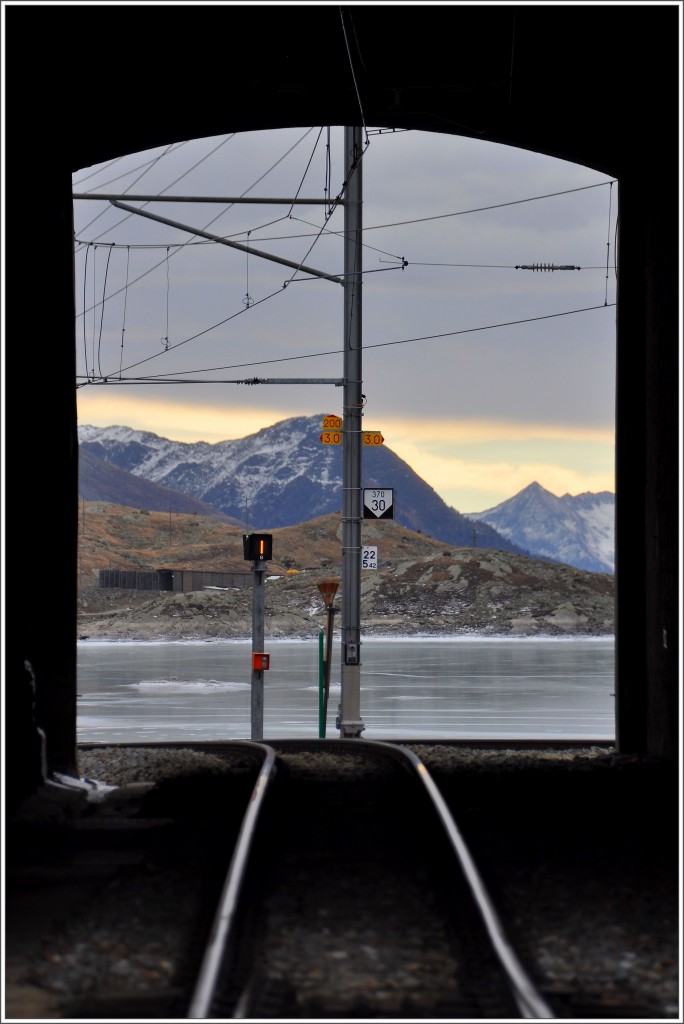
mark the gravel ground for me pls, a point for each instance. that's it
(602, 928)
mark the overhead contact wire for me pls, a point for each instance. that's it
(353, 72)
(380, 344)
(104, 292)
(123, 324)
(85, 285)
(610, 199)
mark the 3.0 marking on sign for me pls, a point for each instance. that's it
(372, 437)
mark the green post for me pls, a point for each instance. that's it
(327, 589)
(321, 687)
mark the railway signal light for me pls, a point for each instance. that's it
(257, 547)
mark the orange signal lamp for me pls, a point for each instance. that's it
(258, 547)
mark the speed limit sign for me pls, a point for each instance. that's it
(378, 503)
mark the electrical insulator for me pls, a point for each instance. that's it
(546, 266)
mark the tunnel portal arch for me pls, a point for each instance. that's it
(595, 85)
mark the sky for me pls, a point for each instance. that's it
(481, 376)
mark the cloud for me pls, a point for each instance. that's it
(175, 420)
(475, 464)
(472, 464)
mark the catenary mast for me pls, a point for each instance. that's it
(350, 723)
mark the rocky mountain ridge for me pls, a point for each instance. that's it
(578, 529)
(283, 474)
(277, 477)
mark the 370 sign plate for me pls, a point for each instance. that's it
(378, 503)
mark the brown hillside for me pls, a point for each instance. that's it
(422, 586)
(116, 537)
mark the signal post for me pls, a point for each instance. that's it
(258, 548)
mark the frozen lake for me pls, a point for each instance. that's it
(427, 688)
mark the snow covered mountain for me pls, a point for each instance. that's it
(280, 476)
(578, 530)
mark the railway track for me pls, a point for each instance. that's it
(336, 886)
(352, 893)
(314, 879)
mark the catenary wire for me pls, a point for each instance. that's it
(610, 199)
(165, 339)
(279, 291)
(306, 171)
(123, 323)
(254, 302)
(206, 330)
(484, 209)
(484, 266)
(376, 227)
(400, 259)
(400, 266)
(100, 169)
(337, 234)
(104, 291)
(213, 219)
(160, 378)
(180, 177)
(147, 167)
(401, 223)
(322, 229)
(124, 174)
(85, 285)
(351, 67)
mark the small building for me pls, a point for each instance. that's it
(178, 581)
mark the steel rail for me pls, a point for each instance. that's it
(207, 979)
(530, 1003)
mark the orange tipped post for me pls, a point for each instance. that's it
(328, 589)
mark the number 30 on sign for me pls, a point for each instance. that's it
(369, 558)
